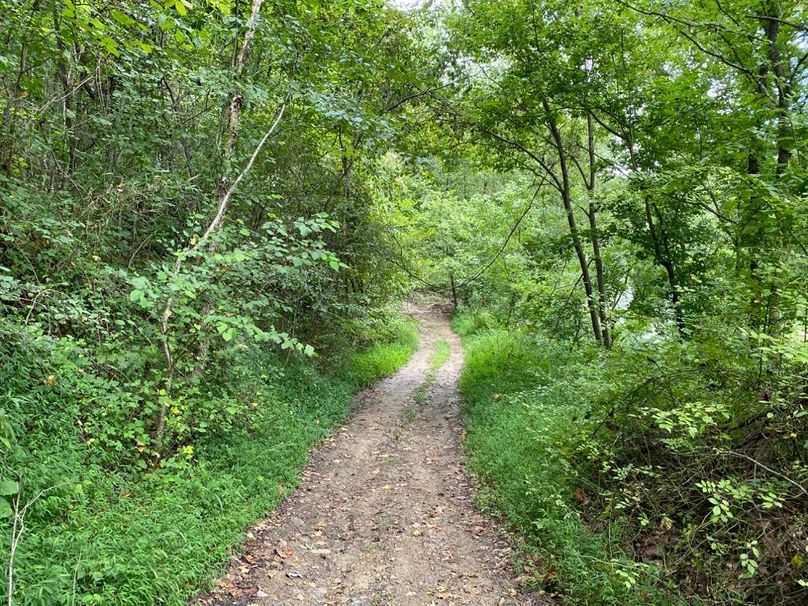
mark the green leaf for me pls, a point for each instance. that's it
(122, 18)
(110, 45)
(179, 5)
(8, 487)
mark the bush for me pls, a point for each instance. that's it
(521, 415)
(662, 468)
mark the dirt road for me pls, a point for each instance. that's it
(384, 514)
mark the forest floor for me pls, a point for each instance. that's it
(384, 513)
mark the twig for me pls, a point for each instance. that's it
(214, 225)
(769, 469)
(17, 530)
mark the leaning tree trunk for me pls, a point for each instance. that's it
(565, 190)
(594, 237)
(224, 192)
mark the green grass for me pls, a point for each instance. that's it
(146, 539)
(440, 355)
(383, 358)
(520, 413)
(438, 359)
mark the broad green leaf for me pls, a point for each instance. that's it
(8, 487)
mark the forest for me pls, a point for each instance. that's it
(211, 212)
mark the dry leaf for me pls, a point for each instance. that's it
(284, 553)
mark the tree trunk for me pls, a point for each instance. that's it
(595, 238)
(664, 260)
(565, 190)
(225, 190)
(68, 111)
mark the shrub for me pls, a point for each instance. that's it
(662, 468)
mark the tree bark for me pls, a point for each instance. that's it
(594, 238)
(225, 191)
(565, 190)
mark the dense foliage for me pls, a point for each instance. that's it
(187, 275)
(207, 207)
(623, 215)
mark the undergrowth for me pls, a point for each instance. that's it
(630, 476)
(118, 535)
(520, 415)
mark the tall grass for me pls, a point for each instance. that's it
(520, 410)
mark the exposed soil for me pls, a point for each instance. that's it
(384, 512)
